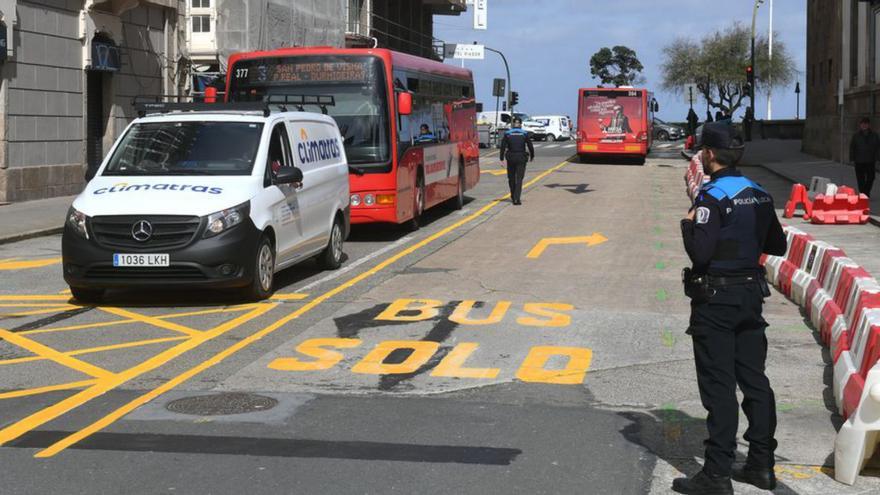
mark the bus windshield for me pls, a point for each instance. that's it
(612, 116)
(357, 84)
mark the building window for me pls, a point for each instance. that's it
(201, 23)
(201, 4)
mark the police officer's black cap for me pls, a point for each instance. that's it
(720, 136)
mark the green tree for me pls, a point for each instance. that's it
(618, 66)
(717, 65)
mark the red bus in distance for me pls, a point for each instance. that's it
(382, 101)
(615, 121)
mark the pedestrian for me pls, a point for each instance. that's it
(693, 121)
(709, 116)
(517, 148)
(747, 123)
(730, 224)
(863, 151)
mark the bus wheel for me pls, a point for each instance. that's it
(418, 203)
(458, 201)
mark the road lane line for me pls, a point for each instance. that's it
(42, 390)
(35, 305)
(54, 355)
(289, 297)
(151, 320)
(247, 341)
(19, 314)
(92, 350)
(34, 297)
(359, 262)
(89, 326)
(22, 265)
(101, 387)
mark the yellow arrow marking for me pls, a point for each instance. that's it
(591, 240)
(21, 265)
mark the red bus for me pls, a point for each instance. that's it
(408, 123)
(615, 121)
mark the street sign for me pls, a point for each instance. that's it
(481, 14)
(464, 52)
(498, 87)
(690, 93)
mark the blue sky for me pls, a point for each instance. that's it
(548, 44)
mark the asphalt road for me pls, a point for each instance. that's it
(499, 349)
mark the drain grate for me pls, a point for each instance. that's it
(222, 404)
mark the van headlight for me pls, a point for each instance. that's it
(77, 220)
(226, 219)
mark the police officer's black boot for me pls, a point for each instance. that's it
(760, 477)
(703, 483)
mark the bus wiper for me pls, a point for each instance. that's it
(357, 171)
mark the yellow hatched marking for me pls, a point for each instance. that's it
(28, 424)
(38, 311)
(42, 390)
(22, 265)
(35, 305)
(35, 297)
(289, 297)
(101, 387)
(152, 320)
(49, 353)
(92, 350)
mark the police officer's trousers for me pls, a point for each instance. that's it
(730, 348)
(516, 170)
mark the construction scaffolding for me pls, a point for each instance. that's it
(247, 25)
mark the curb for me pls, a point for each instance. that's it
(31, 234)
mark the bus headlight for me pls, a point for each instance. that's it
(355, 200)
(76, 220)
(369, 200)
(226, 219)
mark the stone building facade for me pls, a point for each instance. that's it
(66, 86)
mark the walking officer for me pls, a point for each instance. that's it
(730, 224)
(517, 148)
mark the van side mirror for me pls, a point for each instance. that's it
(289, 175)
(404, 103)
(656, 106)
(91, 172)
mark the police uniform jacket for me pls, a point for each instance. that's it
(734, 223)
(516, 141)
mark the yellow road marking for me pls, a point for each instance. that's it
(494, 171)
(289, 297)
(151, 320)
(37, 419)
(65, 291)
(35, 305)
(35, 297)
(54, 355)
(89, 326)
(92, 350)
(591, 240)
(21, 265)
(38, 311)
(42, 390)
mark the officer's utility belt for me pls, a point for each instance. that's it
(701, 288)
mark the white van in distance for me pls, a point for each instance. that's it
(558, 126)
(217, 195)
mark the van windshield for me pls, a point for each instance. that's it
(187, 148)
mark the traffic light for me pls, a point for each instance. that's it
(514, 98)
(750, 75)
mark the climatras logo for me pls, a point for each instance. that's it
(318, 150)
(125, 187)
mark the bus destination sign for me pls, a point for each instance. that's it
(289, 71)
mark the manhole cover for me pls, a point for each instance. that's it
(222, 404)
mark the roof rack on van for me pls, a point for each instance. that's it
(152, 105)
(300, 101)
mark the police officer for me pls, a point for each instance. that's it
(730, 224)
(517, 148)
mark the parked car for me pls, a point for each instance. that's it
(558, 126)
(209, 198)
(536, 130)
(664, 131)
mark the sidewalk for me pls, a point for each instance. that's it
(33, 218)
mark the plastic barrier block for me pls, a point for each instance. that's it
(812, 288)
(830, 312)
(871, 351)
(858, 436)
(798, 197)
(772, 266)
(869, 321)
(798, 246)
(848, 277)
(852, 394)
(819, 301)
(843, 369)
(799, 283)
(839, 346)
(824, 267)
(786, 272)
(866, 301)
(840, 209)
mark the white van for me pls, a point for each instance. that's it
(535, 129)
(558, 126)
(220, 196)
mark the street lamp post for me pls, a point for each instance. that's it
(507, 68)
(752, 89)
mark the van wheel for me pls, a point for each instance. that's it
(663, 136)
(418, 203)
(331, 257)
(551, 138)
(264, 272)
(458, 201)
(87, 296)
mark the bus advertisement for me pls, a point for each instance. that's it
(408, 124)
(615, 121)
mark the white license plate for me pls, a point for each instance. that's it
(141, 260)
